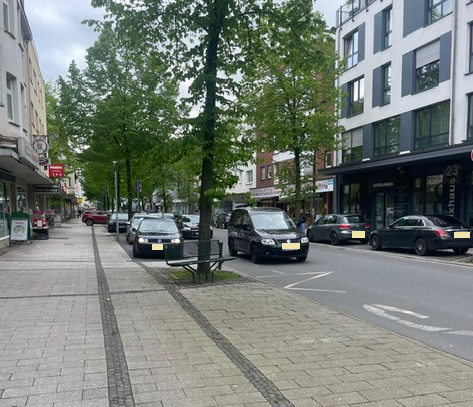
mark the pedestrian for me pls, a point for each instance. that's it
(302, 220)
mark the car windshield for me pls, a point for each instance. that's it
(191, 218)
(272, 221)
(121, 216)
(444, 220)
(136, 220)
(157, 225)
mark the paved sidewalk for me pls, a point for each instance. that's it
(82, 325)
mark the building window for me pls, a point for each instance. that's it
(469, 135)
(386, 88)
(427, 66)
(328, 159)
(356, 95)
(432, 126)
(351, 49)
(386, 136)
(270, 171)
(249, 177)
(438, 9)
(263, 173)
(352, 145)
(6, 15)
(351, 198)
(10, 97)
(471, 49)
(387, 28)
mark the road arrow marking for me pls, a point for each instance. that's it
(380, 310)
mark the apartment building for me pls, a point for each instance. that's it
(22, 116)
(408, 116)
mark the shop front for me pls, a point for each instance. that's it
(441, 183)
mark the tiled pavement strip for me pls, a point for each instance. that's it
(244, 344)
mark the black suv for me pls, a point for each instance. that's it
(265, 232)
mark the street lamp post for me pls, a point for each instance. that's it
(138, 189)
(116, 197)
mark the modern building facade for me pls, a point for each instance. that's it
(22, 116)
(408, 116)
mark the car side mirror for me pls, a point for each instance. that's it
(133, 229)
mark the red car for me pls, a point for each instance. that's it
(92, 217)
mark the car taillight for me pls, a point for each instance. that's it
(440, 232)
(344, 226)
(367, 226)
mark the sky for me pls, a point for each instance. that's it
(60, 38)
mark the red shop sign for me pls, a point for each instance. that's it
(56, 171)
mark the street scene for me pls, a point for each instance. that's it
(84, 324)
(250, 203)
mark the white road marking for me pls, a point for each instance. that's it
(318, 289)
(308, 279)
(464, 333)
(380, 310)
(277, 271)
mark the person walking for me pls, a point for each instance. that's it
(302, 220)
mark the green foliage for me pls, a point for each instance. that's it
(291, 97)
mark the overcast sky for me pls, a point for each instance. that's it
(60, 38)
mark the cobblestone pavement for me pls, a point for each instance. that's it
(82, 325)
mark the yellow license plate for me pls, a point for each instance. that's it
(291, 246)
(461, 235)
(358, 234)
(158, 246)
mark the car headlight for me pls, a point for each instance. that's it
(268, 242)
(176, 240)
(304, 240)
(186, 228)
(142, 240)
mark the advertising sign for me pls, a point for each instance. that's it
(56, 171)
(19, 229)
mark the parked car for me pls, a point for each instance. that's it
(189, 224)
(122, 222)
(222, 220)
(423, 234)
(92, 217)
(152, 233)
(337, 228)
(133, 223)
(265, 232)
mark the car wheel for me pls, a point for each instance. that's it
(301, 258)
(420, 247)
(89, 222)
(231, 248)
(334, 239)
(460, 250)
(310, 236)
(255, 256)
(375, 243)
(136, 252)
(130, 242)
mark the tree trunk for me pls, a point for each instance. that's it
(219, 12)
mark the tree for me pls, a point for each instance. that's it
(208, 43)
(128, 108)
(292, 100)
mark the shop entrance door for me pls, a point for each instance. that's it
(384, 209)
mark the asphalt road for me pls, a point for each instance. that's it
(427, 299)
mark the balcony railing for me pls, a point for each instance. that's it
(350, 9)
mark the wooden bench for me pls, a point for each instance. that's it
(190, 254)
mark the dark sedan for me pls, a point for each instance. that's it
(424, 234)
(112, 222)
(189, 224)
(151, 235)
(337, 228)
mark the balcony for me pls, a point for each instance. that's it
(350, 9)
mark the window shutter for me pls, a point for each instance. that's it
(428, 54)
(357, 137)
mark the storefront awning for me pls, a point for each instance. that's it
(441, 154)
(11, 163)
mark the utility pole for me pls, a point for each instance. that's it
(116, 197)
